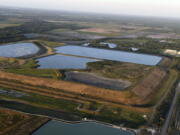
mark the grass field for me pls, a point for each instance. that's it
(45, 73)
(27, 67)
(119, 70)
(10, 63)
(51, 44)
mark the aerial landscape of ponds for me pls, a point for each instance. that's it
(86, 128)
(63, 62)
(18, 50)
(120, 56)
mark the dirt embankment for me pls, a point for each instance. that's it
(90, 91)
(149, 84)
(140, 92)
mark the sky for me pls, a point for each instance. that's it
(162, 8)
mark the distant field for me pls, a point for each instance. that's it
(7, 25)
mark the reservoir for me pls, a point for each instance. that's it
(120, 56)
(18, 50)
(63, 62)
(87, 128)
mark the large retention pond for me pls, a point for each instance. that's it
(18, 50)
(87, 128)
(121, 56)
(63, 62)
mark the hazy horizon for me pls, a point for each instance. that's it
(158, 8)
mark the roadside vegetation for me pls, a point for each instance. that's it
(174, 123)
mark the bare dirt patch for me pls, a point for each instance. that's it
(149, 84)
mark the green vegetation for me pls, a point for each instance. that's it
(120, 116)
(7, 119)
(164, 88)
(162, 109)
(9, 63)
(16, 123)
(28, 68)
(45, 101)
(145, 45)
(173, 126)
(35, 26)
(119, 70)
(109, 114)
(47, 73)
(51, 44)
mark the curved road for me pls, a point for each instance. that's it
(166, 124)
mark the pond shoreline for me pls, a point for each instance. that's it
(42, 50)
(62, 119)
(113, 55)
(133, 131)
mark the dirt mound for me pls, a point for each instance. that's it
(150, 83)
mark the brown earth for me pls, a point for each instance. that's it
(150, 83)
(141, 91)
(16, 123)
(99, 30)
(90, 91)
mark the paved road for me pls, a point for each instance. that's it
(166, 124)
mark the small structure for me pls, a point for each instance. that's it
(171, 52)
(86, 44)
(178, 53)
(134, 49)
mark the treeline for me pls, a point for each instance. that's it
(145, 45)
(10, 34)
